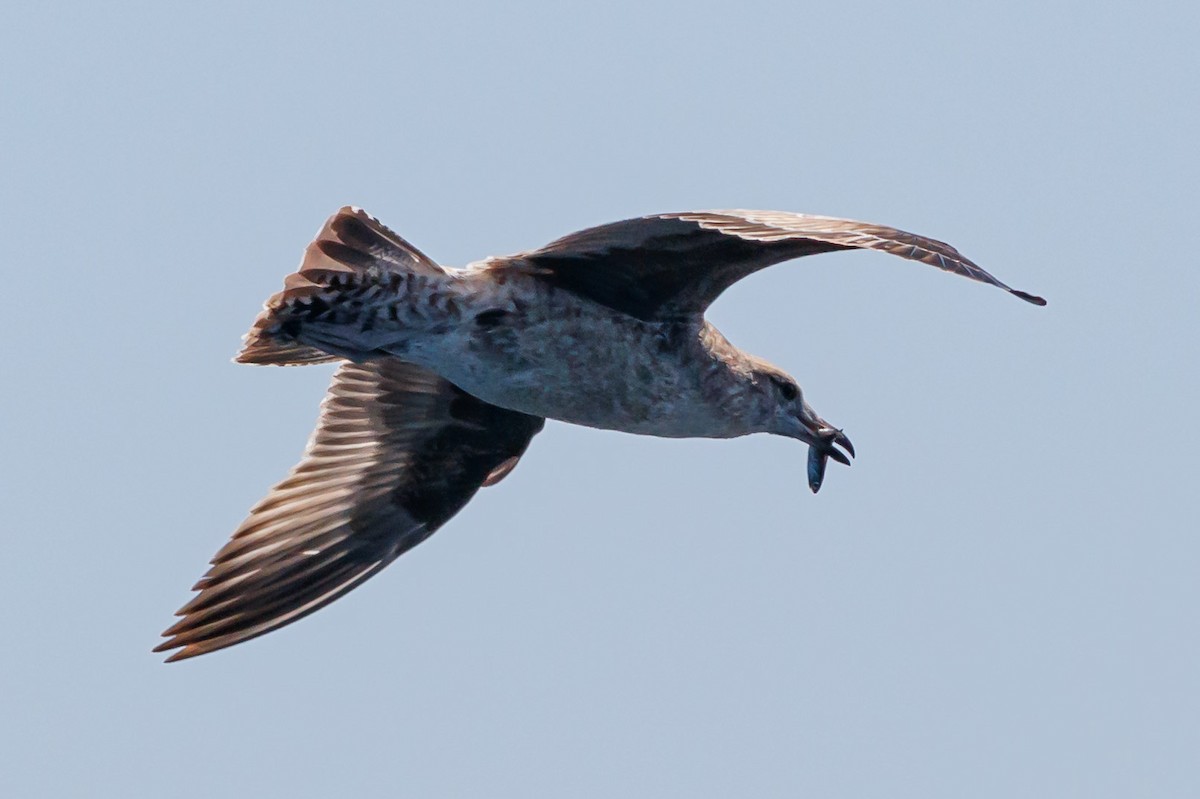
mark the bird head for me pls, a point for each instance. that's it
(793, 417)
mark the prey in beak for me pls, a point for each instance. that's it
(823, 442)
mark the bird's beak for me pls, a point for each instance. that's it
(823, 441)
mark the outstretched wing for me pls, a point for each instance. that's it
(397, 452)
(673, 265)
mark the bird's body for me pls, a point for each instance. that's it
(503, 335)
(447, 375)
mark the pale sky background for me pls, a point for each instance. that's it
(999, 599)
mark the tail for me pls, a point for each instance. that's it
(350, 245)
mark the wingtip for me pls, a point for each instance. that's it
(167, 646)
(1031, 298)
(182, 651)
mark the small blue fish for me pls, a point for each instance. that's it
(817, 458)
(822, 449)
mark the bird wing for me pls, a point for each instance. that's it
(674, 265)
(397, 451)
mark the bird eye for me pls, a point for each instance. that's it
(787, 389)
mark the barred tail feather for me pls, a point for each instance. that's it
(265, 350)
(350, 243)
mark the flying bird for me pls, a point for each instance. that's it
(446, 374)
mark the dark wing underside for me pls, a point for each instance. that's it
(397, 452)
(674, 265)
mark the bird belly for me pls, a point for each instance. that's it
(547, 353)
(599, 370)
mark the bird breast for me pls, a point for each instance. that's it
(547, 352)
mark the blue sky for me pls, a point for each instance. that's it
(998, 599)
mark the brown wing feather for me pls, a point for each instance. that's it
(396, 453)
(674, 265)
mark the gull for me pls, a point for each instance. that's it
(446, 374)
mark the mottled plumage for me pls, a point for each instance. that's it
(448, 374)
